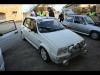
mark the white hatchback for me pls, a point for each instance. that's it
(55, 42)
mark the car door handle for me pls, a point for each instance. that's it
(16, 32)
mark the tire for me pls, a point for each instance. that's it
(94, 35)
(44, 55)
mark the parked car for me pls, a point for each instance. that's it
(8, 34)
(54, 41)
(82, 24)
(2, 68)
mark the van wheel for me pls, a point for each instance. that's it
(44, 55)
(94, 35)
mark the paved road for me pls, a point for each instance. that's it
(24, 57)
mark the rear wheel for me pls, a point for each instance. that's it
(94, 35)
(44, 55)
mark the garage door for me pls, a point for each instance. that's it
(2, 16)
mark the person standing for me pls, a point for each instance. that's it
(41, 13)
(51, 13)
(61, 17)
(92, 14)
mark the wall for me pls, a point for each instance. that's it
(10, 11)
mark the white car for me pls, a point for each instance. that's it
(54, 41)
(2, 68)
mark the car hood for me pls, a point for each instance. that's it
(63, 38)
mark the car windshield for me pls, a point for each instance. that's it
(89, 20)
(49, 26)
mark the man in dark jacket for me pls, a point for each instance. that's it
(51, 13)
(61, 17)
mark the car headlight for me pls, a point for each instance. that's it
(62, 50)
(82, 43)
(77, 46)
(70, 48)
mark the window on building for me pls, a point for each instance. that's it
(2, 16)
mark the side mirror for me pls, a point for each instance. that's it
(1, 34)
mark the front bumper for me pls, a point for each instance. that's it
(66, 57)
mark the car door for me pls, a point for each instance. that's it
(25, 28)
(9, 34)
(80, 25)
(33, 34)
(30, 31)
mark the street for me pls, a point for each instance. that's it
(22, 56)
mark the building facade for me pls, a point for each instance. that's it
(11, 12)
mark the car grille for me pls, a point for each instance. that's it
(77, 47)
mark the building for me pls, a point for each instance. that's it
(11, 12)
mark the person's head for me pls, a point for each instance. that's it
(41, 10)
(35, 10)
(49, 9)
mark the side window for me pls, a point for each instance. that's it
(33, 25)
(7, 26)
(79, 20)
(27, 22)
(69, 19)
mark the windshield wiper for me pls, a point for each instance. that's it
(46, 27)
(58, 29)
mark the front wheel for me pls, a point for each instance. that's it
(44, 55)
(94, 35)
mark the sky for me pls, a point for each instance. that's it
(58, 7)
(26, 7)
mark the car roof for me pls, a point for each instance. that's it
(40, 18)
(78, 15)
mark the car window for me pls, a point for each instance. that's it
(7, 26)
(69, 19)
(27, 22)
(79, 20)
(49, 26)
(89, 20)
(30, 23)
